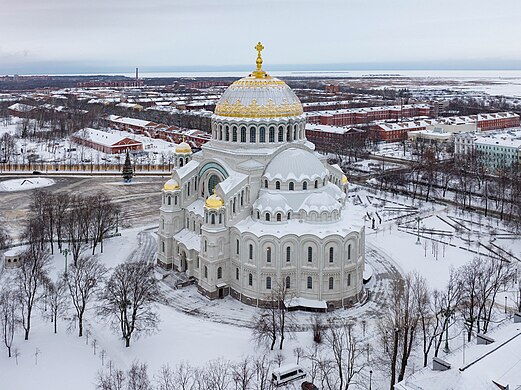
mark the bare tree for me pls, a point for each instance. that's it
(272, 323)
(29, 280)
(57, 298)
(181, 377)
(398, 327)
(8, 317)
(5, 240)
(217, 375)
(104, 218)
(242, 374)
(129, 299)
(348, 360)
(138, 377)
(114, 379)
(82, 281)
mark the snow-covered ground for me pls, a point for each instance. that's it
(25, 184)
(196, 330)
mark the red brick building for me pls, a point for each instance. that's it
(329, 138)
(365, 115)
(105, 142)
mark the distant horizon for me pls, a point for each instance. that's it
(68, 68)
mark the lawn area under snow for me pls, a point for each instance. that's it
(25, 184)
(190, 328)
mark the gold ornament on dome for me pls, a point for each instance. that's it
(214, 201)
(254, 110)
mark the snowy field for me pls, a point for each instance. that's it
(25, 184)
(196, 330)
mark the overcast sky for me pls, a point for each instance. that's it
(118, 35)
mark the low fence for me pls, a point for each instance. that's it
(86, 168)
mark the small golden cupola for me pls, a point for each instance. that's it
(183, 148)
(344, 180)
(214, 201)
(171, 185)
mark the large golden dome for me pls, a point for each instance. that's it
(259, 96)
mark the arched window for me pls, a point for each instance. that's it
(252, 135)
(310, 254)
(262, 134)
(169, 200)
(265, 184)
(205, 271)
(258, 215)
(316, 183)
(220, 218)
(213, 219)
(277, 185)
(331, 283)
(175, 200)
(288, 253)
(291, 186)
(272, 134)
(268, 254)
(212, 182)
(181, 162)
(267, 216)
(281, 134)
(289, 215)
(227, 133)
(163, 246)
(234, 134)
(188, 189)
(250, 255)
(349, 252)
(162, 224)
(348, 280)
(205, 245)
(288, 134)
(219, 273)
(243, 134)
(268, 283)
(288, 282)
(237, 246)
(250, 280)
(310, 282)
(331, 254)
(305, 185)
(279, 217)
(237, 273)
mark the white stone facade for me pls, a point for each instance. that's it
(257, 208)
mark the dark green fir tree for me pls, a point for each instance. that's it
(127, 172)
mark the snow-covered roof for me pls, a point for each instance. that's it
(295, 164)
(189, 238)
(187, 169)
(304, 302)
(20, 107)
(101, 137)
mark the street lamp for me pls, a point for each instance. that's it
(505, 304)
(370, 378)
(418, 219)
(65, 253)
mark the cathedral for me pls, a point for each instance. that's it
(257, 209)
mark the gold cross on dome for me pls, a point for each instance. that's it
(259, 48)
